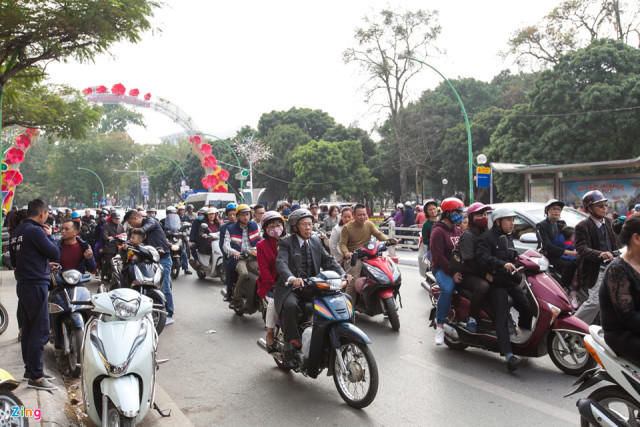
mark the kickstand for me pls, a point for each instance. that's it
(163, 414)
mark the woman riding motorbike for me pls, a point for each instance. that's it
(334, 242)
(267, 251)
(444, 238)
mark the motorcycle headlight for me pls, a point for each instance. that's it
(125, 309)
(378, 274)
(335, 284)
(72, 277)
(175, 247)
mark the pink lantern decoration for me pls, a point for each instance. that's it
(209, 162)
(12, 178)
(14, 155)
(32, 131)
(217, 170)
(220, 188)
(205, 149)
(196, 140)
(101, 89)
(210, 181)
(134, 92)
(147, 97)
(87, 91)
(223, 175)
(118, 89)
(23, 140)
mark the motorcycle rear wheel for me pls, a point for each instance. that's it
(279, 340)
(392, 311)
(175, 271)
(9, 400)
(618, 402)
(358, 385)
(4, 319)
(565, 360)
(75, 354)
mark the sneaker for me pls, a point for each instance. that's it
(44, 375)
(187, 272)
(439, 336)
(169, 321)
(513, 362)
(472, 325)
(43, 384)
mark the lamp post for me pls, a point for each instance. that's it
(464, 113)
(97, 176)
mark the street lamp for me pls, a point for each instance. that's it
(445, 181)
(97, 176)
(464, 113)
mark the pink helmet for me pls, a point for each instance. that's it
(477, 207)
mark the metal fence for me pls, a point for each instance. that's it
(408, 237)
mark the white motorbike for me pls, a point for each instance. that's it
(616, 404)
(119, 358)
(211, 264)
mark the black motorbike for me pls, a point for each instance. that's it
(142, 272)
(251, 302)
(177, 242)
(68, 319)
(331, 340)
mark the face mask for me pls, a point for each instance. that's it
(200, 217)
(456, 218)
(275, 232)
(482, 222)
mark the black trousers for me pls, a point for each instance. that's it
(479, 288)
(291, 309)
(566, 269)
(500, 301)
(34, 306)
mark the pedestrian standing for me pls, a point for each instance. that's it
(32, 247)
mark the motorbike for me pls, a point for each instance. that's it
(4, 319)
(379, 286)
(177, 242)
(210, 264)
(251, 302)
(331, 340)
(9, 402)
(615, 404)
(68, 319)
(555, 331)
(143, 274)
(119, 358)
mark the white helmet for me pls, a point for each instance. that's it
(171, 209)
(399, 206)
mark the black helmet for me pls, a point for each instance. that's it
(552, 202)
(592, 197)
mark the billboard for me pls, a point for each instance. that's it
(620, 192)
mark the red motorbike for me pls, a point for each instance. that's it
(555, 329)
(379, 285)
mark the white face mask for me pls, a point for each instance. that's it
(275, 232)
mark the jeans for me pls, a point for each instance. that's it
(447, 285)
(34, 306)
(165, 262)
(184, 259)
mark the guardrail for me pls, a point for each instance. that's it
(403, 235)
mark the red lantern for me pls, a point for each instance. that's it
(32, 132)
(14, 155)
(220, 188)
(12, 177)
(23, 140)
(134, 92)
(209, 162)
(118, 89)
(210, 181)
(196, 139)
(101, 89)
(87, 91)
(223, 175)
(147, 97)
(205, 149)
(217, 170)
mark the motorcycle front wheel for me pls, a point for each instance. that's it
(115, 419)
(358, 382)
(75, 353)
(175, 270)
(569, 353)
(618, 402)
(4, 319)
(8, 401)
(392, 311)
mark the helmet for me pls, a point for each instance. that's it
(212, 210)
(295, 207)
(75, 215)
(242, 208)
(452, 204)
(592, 197)
(155, 210)
(202, 210)
(430, 202)
(399, 206)
(297, 215)
(477, 207)
(189, 206)
(552, 202)
(115, 215)
(637, 207)
(171, 209)
(181, 207)
(104, 212)
(230, 207)
(502, 213)
(270, 216)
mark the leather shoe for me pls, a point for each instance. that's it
(187, 272)
(513, 363)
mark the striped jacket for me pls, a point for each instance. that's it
(235, 234)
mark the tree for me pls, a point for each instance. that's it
(312, 122)
(116, 118)
(575, 24)
(380, 46)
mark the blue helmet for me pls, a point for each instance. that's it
(75, 215)
(230, 207)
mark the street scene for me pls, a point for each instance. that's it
(377, 213)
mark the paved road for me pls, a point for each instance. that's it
(225, 379)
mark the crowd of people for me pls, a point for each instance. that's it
(294, 242)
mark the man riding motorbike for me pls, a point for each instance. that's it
(230, 213)
(195, 233)
(172, 223)
(300, 256)
(240, 237)
(111, 229)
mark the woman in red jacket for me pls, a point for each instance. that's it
(267, 249)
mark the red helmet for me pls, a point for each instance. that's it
(452, 204)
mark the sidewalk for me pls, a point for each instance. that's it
(52, 405)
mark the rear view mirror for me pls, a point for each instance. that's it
(529, 238)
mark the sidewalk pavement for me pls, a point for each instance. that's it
(407, 257)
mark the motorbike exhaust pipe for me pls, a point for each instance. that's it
(425, 285)
(262, 343)
(596, 414)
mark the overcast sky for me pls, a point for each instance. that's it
(226, 63)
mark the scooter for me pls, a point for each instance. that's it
(119, 358)
(9, 402)
(379, 286)
(555, 331)
(251, 302)
(616, 404)
(331, 340)
(210, 264)
(145, 275)
(177, 243)
(67, 319)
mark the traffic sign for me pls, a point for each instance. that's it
(484, 176)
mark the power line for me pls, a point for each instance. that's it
(570, 114)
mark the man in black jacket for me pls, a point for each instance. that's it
(300, 256)
(596, 242)
(551, 239)
(32, 248)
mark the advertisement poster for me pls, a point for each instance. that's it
(541, 192)
(620, 192)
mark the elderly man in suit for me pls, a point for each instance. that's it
(300, 256)
(595, 242)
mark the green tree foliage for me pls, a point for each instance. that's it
(116, 118)
(312, 122)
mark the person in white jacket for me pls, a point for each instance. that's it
(346, 215)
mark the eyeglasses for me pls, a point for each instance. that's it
(305, 224)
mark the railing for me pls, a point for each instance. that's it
(406, 235)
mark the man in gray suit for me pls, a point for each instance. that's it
(300, 256)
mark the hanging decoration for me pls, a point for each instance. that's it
(209, 162)
(205, 149)
(14, 156)
(20, 142)
(118, 89)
